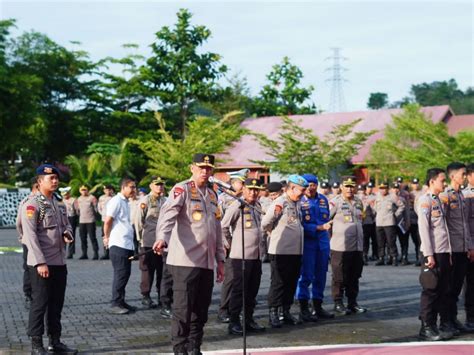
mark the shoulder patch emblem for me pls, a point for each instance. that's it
(30, 211)
(177, 191)
(143, 206)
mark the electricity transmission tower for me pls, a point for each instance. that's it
(337, 102)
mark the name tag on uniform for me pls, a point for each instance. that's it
(348, 219)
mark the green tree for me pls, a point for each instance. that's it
(299, 150)
(377, 100)
(413, 143)
(179, 72)
(170, 157)
(284, 95)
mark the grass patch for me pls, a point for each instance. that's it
(11, 250)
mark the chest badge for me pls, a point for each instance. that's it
(197, 215)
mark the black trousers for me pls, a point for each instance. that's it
(71, 247)
(415, 237)
(469, 293)
(88, 229)
(47, 299)
(460, 263)
(150, 264)
(26, 274)
(192, 292)
(122, 269)
(434, 301)
(166, 288)
(226, 289)
(252, 277)
(403, 239)
(285, 271)
(347, 269)
(387, 236)
(370, 237)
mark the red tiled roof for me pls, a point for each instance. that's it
(248, 147)
(459, 123)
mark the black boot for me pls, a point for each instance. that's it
(37, 346)
(405, 260)
(353, 307)
(288, 318)
(340, 308)
(469, 325)
(320, 311)
(235, 327)
(166, 312)
(106, 255)
(253, 327)
(274, 319)
(148, 302)
(305, 314)
(55, 346)
(429, 332)
(380, 262)
(447, 330)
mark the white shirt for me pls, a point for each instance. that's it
(121, 234)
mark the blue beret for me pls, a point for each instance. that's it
(298, 180)
(311, 178)
(47, 169)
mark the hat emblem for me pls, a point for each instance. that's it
(254, 182)
(206, 159)
(48, 170)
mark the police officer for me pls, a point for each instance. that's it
(346, 248)
(414, 194)
(324, 189)
(403, 226)
(225, 201)
(109, 192)
(275, 189)
(315, 211)
(335, 190)
(462, 246)
(283, 221)
(150, 264)
(87, 209)
(387, 213)
(468, 193)
(368, 222)
(72, 216)
(189, 224)
(46, 229)
(232, 231)
(436, 248)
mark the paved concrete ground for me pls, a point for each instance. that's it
(390, 293)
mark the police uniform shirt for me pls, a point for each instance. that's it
(43, 222)
(101, 205)
(432, 225)
(315, 213)
(87, 207)
(224, 202)
(368, 203)
(283, 220)
(189, 224)
(70, 206)
(468, 193)
(232, 230)
(150, 207)
(456, 219)
(387, 210)
(347, 233)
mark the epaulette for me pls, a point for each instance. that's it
(42, 207)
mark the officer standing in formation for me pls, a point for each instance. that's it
(232, 234)
(346, 248)
(315, 211)
(414, 194)
(368, 222)
(468, 193)
(403, 225)
(189, 225)
(109, 192)
(283, 221)
(275, 189)
(87, 209)
(70, 203)
(46, 231)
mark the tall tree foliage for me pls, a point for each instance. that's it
(299, 150)
(377, 100)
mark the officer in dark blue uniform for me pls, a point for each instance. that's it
(315, 210)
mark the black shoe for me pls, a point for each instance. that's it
(373, 258)
(180, 351)
(129, 307)
(380, 262)
(223, 318)
(456, 324)
(253, 327)
(118, 310)
(104, 257)
(446, 331)
(195, 351)
(390, 261)
(341, 309)
(469, 326)
(37, 346)
(61, 348)
(289, 319)
(429, 333)
(418, 263)
(235, 328)
(320, 311)
(274, 318)
(305, 313)
(355, 308)
(83, 257)
(147, 302)
(95, 257)
(166, 312)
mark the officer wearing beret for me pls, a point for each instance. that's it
(414, 194)
(283, 221)
(46, 231)
(468, 193)
(315, 211)
(189, 225)
(346, 248)
(232, 231)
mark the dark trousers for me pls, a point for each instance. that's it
(415, 237)
(192, 292)
(387, 236)
(252, 277)
(458, 274)
(47, 299)
(71, 247)
(469, 293)
(370, 237)
(285, 271)
(88, 229)
(403, 239)
(166, 288)
(434, 301)
(150, 264)
(346, 271)
(122, 269)
(26, 274)
(226, 289)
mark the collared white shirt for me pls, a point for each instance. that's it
(121, 234)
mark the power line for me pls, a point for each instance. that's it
(336, 101)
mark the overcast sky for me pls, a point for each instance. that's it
(389, 45)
